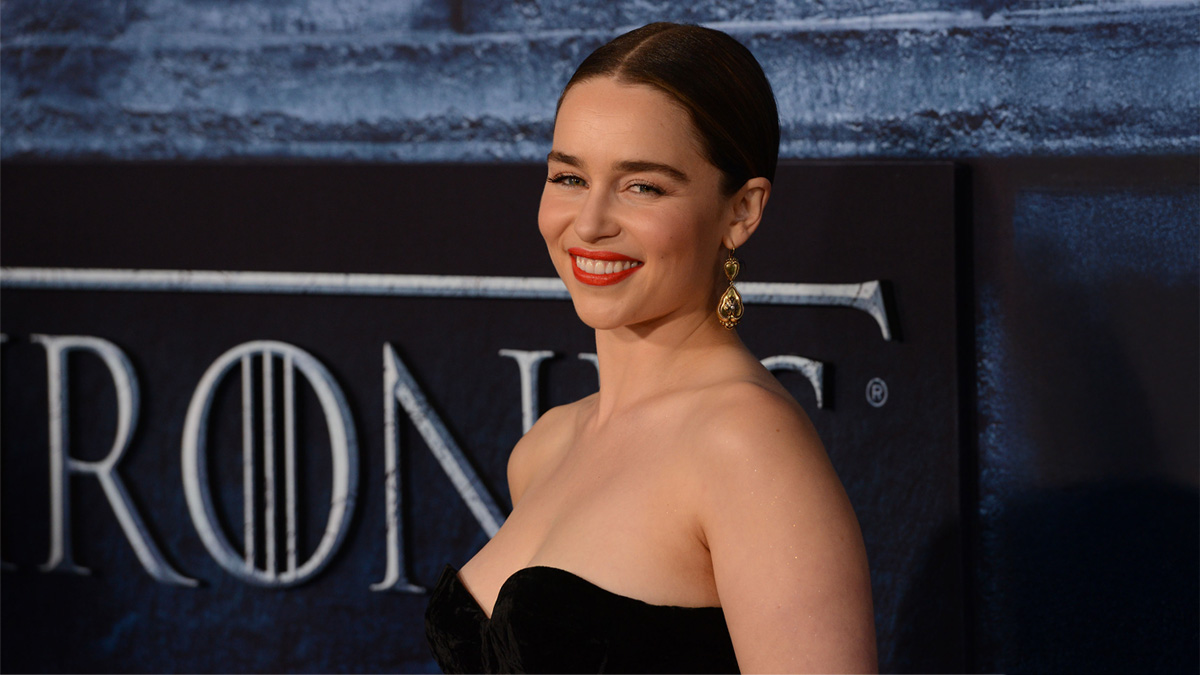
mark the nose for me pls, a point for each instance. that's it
(595, 220)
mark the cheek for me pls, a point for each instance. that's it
(688, 239)
(552, 218)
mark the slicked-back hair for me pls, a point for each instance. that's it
(714, 78)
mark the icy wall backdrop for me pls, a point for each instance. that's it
(451, 80)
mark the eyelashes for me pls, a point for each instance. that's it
(567, 179)
(648, 188)
(640, 187)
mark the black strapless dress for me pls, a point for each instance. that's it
(550, 620)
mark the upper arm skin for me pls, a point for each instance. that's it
(787, 552)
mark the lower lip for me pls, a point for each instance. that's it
(601, 279)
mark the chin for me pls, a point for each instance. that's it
(609, 316)
(598, 318)
(608, 309)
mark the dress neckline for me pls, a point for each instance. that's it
(573, 578)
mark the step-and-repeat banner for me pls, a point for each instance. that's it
(249, 411)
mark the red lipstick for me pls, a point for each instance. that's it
(592, 279)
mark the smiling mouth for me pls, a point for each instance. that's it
(592, 266)
(602, 268)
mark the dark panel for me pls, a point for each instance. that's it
(841, 223)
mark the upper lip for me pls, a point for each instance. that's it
(600, 255)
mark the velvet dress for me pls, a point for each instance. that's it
(550, 620)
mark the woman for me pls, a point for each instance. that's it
(685, 517)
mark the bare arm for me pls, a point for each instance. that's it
(787, 553)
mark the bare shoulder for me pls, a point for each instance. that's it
(753, 441)
(541, 447)
(787, 552)
(749, 423)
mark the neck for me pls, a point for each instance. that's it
(637, 363)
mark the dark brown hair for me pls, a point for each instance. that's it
(714, 78)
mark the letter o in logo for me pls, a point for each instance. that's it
(343, 448)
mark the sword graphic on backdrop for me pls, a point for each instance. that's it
(866, 296)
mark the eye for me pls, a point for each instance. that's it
(567, 180)
(647, 189)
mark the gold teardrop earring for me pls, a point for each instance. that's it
(730, 308)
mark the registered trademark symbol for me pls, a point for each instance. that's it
(877, 392)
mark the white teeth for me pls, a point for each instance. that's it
(602, 267)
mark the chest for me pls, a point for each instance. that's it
(616, 499)
(619, 509)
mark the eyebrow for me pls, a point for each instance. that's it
(627, 165)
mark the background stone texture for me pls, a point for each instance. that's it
(465, 80)
(1076, 124)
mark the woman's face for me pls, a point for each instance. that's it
(632, 212)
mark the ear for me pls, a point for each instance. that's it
(747, 207)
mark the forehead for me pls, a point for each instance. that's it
(605, 119)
